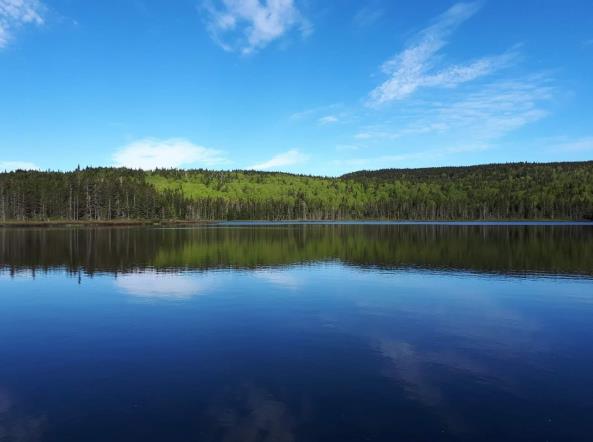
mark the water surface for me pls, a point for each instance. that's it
(304, 332)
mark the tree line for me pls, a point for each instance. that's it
(497, 191)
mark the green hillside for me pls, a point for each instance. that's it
(498, 191)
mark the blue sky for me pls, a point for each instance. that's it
(307, 86)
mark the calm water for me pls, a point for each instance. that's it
(297, 333)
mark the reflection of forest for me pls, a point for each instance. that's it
(512, 249)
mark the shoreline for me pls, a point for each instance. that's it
(148, 223)
(113, 223)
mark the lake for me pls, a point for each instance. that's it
(297, 332)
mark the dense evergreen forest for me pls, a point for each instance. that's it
(496, 191)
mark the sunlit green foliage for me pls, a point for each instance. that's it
(503, 191)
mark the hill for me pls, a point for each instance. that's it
(494, 191)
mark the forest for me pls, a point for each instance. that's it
(514, 191)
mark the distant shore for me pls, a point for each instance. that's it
(518, 191)
(140, 223)
(108, 223)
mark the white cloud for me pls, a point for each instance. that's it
(249, 25)
(328, 119)
(151, 153)
(290, 158)
(16, 13)
(17, 165)
(414, 67)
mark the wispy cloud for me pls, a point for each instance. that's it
(17, 13)
(150, 153)
(499, 108)
(487, 113)
(574, 145)
(346, 147)
(290, 158)
(328, 119)
(428, 156)
(335, 109)
(470, 122)
(327, 115)
(419, 127)
(17, 165)
(416, 66)
(367, 16)
(249, 25)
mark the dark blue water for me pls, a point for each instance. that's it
(298, 333)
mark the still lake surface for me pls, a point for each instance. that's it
(306, 332)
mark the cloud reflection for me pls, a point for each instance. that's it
(252, 414)
(153, 284)
(15, 427)
(283, 278)
(466, 331)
